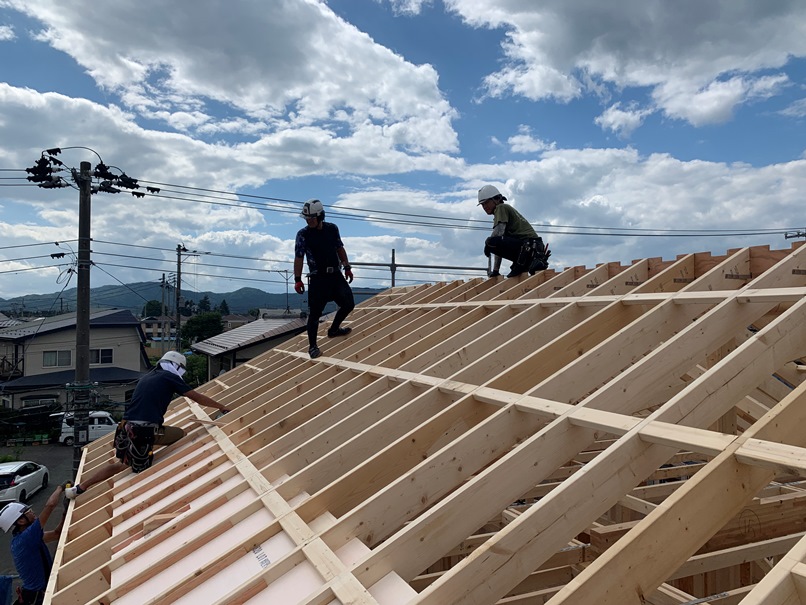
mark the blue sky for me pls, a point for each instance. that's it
(642, 118)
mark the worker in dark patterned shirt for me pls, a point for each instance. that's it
(320, 244)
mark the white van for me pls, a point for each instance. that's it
(100, 424)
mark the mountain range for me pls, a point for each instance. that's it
(135, 295)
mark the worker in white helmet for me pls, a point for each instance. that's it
(142, 426)
(513, 238)
(320, 243)
(31, 555)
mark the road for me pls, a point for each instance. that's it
(59, 460)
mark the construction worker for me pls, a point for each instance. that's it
(28, 549)
(142, 425)
(320, 243)
(513, 238)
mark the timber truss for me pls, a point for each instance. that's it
(617, 435)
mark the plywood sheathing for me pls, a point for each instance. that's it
(622, 434)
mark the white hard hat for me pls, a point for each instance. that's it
(488, 191)
(175, 357)
(313, 209)
(10, 513)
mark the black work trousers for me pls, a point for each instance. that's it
(507, 247)
(323, 289)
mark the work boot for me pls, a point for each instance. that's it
(332, 332)
(516, 270)
(314, 352)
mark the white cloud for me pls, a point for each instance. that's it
(295, 65)
(408, 7)
(699, 60)
(795, 110)
(622, 121)
(6, 33)
(717, 102)
(524, 142)
(242, 98)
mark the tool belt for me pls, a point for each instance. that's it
(533, 251)
(134, 444)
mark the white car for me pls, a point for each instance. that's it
(98, 425)
(20, 480)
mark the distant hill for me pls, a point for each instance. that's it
(134, 297)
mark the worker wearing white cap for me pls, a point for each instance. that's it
(142, 425)
(513, 238)
(31, 555)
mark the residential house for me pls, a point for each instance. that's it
(6, 321)
(234, 347)
(159, 327)
(41, 354)
(230, 322)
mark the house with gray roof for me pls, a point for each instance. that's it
(38, 358)
(238, 345)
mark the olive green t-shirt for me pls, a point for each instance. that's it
(517, 226)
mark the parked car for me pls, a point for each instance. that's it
(20, 480)
(99, 424)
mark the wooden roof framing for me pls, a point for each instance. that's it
(622, 434)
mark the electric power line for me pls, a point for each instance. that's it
(235, 199)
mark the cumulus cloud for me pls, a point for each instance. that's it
(6, 33)
(297, 102)
(699, 60)
(524, 142)
(622, 121)
(296, 65)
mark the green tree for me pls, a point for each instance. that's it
(200, 327)
(204, 305)
(223, 308)
(196, 370)
(152, 308)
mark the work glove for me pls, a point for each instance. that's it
(348, 273)
(494, 273)
(299, 287)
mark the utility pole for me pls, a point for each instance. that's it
(393, 267)
(287, 277)
(162, 317)
(81, 385)
(179, 250)
(42, 172)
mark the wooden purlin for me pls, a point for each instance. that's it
(537, 409)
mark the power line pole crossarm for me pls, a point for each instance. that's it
(80, 391)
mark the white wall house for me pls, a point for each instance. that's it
(40, 358)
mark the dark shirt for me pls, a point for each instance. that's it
(319, 247)
(152, 395)
(32, 557)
